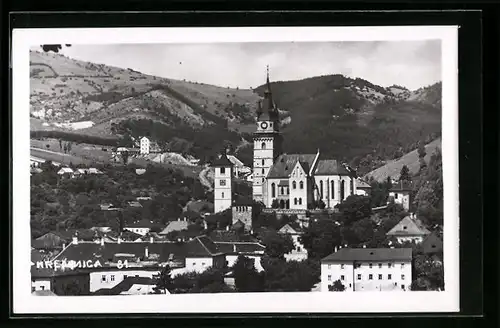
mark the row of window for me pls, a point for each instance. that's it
(370, 277)
(370, 265)
(112, 277)
(282, 190)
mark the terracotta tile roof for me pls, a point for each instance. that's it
(286, 163)
(330, 167)
(370, 254)
(408, 227)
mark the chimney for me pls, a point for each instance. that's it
(184, 219)
(227, 228)
(364, 246)
(151, 239)
(75, 240)
(64, 246)
(234, 248)
(251, 231)
(102, 241)
(336, 249)
(205, 225)
(119, 240)
(146, 252)
(300, 224)
(178, 219)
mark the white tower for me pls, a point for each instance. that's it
(266, 142)
(222, 183)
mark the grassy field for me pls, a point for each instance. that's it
(91, 153)
(393, 168)
(60, 158)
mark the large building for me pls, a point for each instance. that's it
(368, 269)
(293, 181)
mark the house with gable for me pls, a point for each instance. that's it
(295, 230)
(409, 229)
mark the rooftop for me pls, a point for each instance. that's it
(241, 247)
(362, 184)
(402, 186)
(174, 226)
(369, 254)
(330, 167)
(432, 244)
(408, 227)
(285, 163)
(222, 161)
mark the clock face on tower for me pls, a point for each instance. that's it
(263, 125)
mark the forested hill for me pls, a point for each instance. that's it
(348, 119)
(355, 120)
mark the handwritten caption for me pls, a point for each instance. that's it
(71, 265)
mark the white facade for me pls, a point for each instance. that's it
(263, 154)
(415, 239)
(299, 253)
(333, 189)
(231, 260)
(40, 284)
(138, 289)
(298, 188)
(401, 197)
(222, 188)
(109, 279)
(145, 145)
(368, 276)
(361, 192)
(198, 264)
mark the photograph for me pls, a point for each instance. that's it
(239, 168)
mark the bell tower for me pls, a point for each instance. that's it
(266, 142)
(222, 183)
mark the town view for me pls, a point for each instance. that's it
(163, 184)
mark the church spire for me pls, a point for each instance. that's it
(267, 107)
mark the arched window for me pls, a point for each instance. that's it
(282, 204)
(288, 190)
(273, 191)
(262, 170)
(295, 201)
(287, 204)
(222, 195)
(300, 201)
(294, 185)
(342, 190)
(262, 162)
(352, 186)
(282, 191)
(333, 189)
(222, 170)
(321, 188)
(263, 146)
(301, 184)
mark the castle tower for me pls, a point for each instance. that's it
(266, 141)
(222, 183)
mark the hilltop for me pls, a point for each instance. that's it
(349, 119)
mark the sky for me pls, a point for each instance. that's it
(412, 64)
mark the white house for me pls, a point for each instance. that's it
(249, 249)
(400, 193)
(66, 172)
(362, 188)
(409, 229)
(368, 269)
(144, 145)
(299, 253)
(36, 161)
(141, 227)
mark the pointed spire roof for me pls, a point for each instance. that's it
(267, 109)
(223, 160)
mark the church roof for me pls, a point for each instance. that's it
(330, 167)
(286, 162)
(267, 108)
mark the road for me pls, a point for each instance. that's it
(203, 178)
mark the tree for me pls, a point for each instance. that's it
(277, 245)
(164, 281)
(275, 204)
(246, 277)
(405, 174)
(72, 288)
(336, 287)
(321, 237)
(354, 208)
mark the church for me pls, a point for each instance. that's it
(281, 180)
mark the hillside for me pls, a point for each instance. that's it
(411, 160)
(348, 119)
(355, 120)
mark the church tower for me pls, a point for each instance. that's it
(266, 141)
(222, 183)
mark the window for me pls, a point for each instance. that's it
(202, 263)
(333, 189)
(402, 265)
(294, 185)
(402, 277)
(32, 289)
(262, 162)
(342, 190)
(222, 170)
(137, 276)
(112, 277)
(359, 276)
(273, 190)
(370, 276)
(103, 278)
(222, 182)
(42, 287)
(341, 266)
(282, 191)
(396, 196)
(370, 265)
(380, 265)
(298, 248)
(389, 276)
(295, 201)
(300, 201)
(263, 171)
(329, 278)
(389, 265)
(222, 195)
(379, 277)
(125, 276)
(403, 287)
(301, 185)
(263, 146)
(321, 189)
(350, 285)
(287, 191)
(342, 277)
